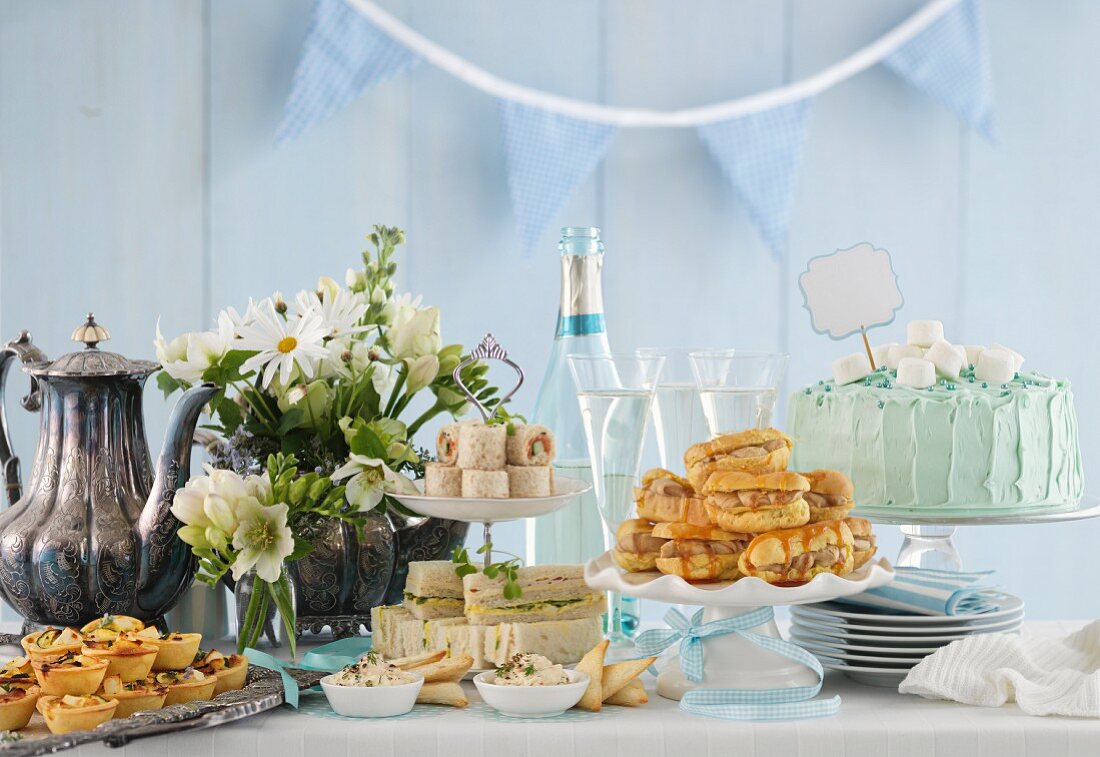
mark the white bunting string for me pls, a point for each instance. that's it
(487, 82)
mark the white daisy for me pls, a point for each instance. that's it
(340, 312)
(282, 344)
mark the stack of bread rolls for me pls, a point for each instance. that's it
(740, 512)
(497, 461)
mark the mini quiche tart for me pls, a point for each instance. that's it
(127, 657)
(69, 673)
(52, 642)
(69, 713)
(175, 650)
(17, 705)
(187, 685)
(110, 626)
(18, 672)
(230, 671)
(133, 696)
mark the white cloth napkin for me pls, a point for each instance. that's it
(1044, 676)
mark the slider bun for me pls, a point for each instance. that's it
(760, 520)
(665, 508)
(701, 567)
(859, 526)
(635, 562)
(682, 531)
(727, 443)
(780, 547)
(655, 474)
(733, 481)
(830, 482)
(633, 526)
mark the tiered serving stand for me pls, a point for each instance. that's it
(929, 535)
(732, 661)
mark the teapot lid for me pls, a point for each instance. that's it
(91, 361)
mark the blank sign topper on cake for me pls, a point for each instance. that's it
(850, 290)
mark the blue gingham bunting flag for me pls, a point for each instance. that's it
(760, 155)
(549, 156)
(344, 55)
(949, 62)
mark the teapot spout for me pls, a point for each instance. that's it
(163, 556)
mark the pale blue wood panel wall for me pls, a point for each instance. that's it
(138, 177)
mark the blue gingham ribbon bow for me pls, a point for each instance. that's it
(786, 703)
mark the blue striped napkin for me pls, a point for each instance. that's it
(921, 591)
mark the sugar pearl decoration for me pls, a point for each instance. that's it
(851, 368)
(900, 351)
(946, 358)
(924, 333)
(995, 367)
(916, 372)
(1017, 358)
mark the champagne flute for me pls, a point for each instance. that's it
(678, 418)
(615, 393)
(738, 389)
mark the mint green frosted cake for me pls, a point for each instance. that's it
(959, 445)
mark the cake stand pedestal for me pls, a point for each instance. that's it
(929, 536)
(731, 660)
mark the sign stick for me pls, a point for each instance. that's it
(867, 346)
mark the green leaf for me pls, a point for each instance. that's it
(302, 547)
(366, 442)
(168, 385)
(291, 419)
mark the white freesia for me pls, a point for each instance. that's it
(383, 378)
(262, 540)
(370, 480)
(282, 344)
(355, 280)
(421, 372)
(400, 310)
(313, 399)
(417, 336)
(207, 507)
(173, 357)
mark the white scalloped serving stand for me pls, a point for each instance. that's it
(732, 661)
(495, 510)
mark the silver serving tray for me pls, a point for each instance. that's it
(263, 691)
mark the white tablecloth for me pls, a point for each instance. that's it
(873, 721)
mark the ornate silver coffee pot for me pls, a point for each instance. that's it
(93, 533)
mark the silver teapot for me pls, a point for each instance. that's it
(93, 533)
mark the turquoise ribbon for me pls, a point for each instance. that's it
(738, 704)
(326, 658)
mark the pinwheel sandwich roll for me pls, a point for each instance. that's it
(664, 497)
(797, 555)
(747, 503)
(699, 553)
(757, 450)
(530, 444)
(636, 548)
(830, 495)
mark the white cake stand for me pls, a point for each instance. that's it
(490, 511)
(929, 536)
(731, 661)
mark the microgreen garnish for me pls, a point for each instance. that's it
(508, 568)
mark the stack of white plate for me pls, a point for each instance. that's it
(878, 647)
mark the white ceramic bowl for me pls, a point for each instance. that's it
(531, 701)
(371, 701)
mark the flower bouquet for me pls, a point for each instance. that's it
(308, 419)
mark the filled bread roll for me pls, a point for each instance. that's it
(699, 553)
(796, 555)
(664, 497)
(757, 450)
(830, 495)
(636, 548)
(863, 541)
(747, 503)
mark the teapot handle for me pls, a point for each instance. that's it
(21, 347)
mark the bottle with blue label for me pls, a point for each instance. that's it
(575, 533)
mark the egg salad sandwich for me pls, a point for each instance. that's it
(433, 590)
(549, 592)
